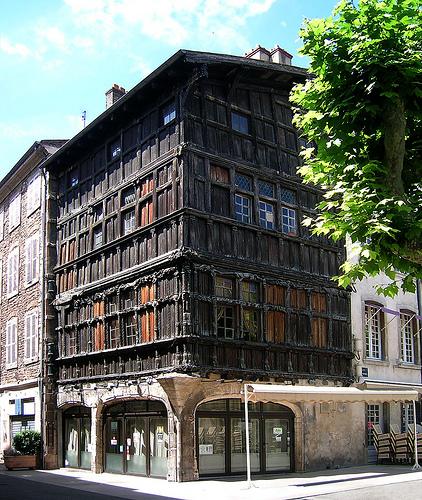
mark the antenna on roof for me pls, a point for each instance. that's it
(84, 118)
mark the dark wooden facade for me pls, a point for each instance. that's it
(180, 247)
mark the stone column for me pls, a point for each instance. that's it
(96, 439)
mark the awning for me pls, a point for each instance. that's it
(312, 394)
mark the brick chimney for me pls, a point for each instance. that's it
(276, 55)
(114, 94)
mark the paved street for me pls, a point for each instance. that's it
(370, 482)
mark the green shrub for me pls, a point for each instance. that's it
(27, 442)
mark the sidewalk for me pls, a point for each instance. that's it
(287, 486)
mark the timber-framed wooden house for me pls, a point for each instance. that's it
(183, 269)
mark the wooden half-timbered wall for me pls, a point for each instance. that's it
(180, 246)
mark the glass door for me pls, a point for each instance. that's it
(212, 445)
(71, 452)
(158, 444)
(115, 445)
(85, 459)
(277, 444)
(136, 445)
(238, 444)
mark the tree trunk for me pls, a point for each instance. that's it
(394, 144)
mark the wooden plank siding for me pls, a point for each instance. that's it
(157, 269)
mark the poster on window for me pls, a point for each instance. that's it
(206, 449)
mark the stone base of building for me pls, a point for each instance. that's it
(181, 427)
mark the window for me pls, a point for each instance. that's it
(266, 189)
(113, 334)
(407, 417)
(98, 236)
(33, 195)
(70, 340)
(31, 335)
(115, 149)
(31, 255)
(243, 208)
(249, 291)
(288, 196)
(11, 342)
(13, 272)
(373, 331)
(407, 329)
(250, 324)
(112, 303)
(1, 225)
(128, 299)
(98, 213)
(73, 178)
(128, 196)
(130, 329)
(288, 221)
(374, 418)
(15, 212)
(225, 322)
(168, 113)
(243, 182)
(128, 222)
(224, 287)
(240, 122)
(266, 215)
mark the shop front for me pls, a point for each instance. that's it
(221, 437)
(77, 437)
(136, 438)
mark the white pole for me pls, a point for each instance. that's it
(416, 466)
(248, 458)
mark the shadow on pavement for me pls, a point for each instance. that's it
(33, 485)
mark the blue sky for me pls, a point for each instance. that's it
(58, 57)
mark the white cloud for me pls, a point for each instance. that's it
(13, 48)
(53, 36)
(174, 22)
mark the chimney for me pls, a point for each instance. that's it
(280, 56)
(260, 53)
(114, 94)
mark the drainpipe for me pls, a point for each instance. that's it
(43, 319)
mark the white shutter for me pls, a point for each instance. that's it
(1, 279)
(31, 334)
(15, 212)
(11, 338)
(28, 261)
(33, 195)
(35, 252)
(10, 273)
(1, 225)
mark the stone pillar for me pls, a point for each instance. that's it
(187, 469)
(97, 439)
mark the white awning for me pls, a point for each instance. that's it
(312, 394)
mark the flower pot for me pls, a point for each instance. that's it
(21, 462)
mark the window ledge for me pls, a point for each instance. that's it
(374, 361)
(409, 366)
(11, 366)
(30, 361)
(32, 210)
(13, 294)
(32, 283)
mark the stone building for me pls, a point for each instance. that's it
(386, 333)
(26, 320)
(183, 272)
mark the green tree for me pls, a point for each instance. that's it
(362, 111)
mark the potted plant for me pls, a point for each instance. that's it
(25, 451)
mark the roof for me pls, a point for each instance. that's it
(44, 149)
(178, 59)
